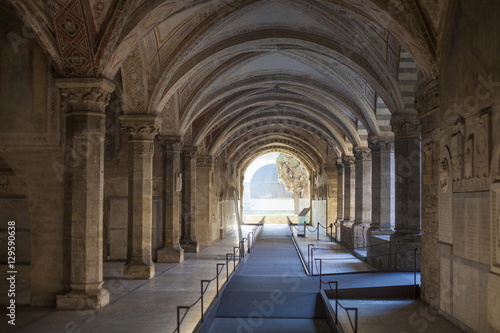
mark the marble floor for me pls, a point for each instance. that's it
(151, 305)
(135, 305)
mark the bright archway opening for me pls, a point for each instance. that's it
(275, 189)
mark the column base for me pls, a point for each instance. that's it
(379, 248)
(136, 271)
(167, 254)
(380, 231)
(403, 246)
(189, 245)
(346, 235)
(81, 300)
(360, 231)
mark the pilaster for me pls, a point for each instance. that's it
(84, 101)
(141, 132)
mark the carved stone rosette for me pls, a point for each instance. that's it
(405, 126)
(139, 127)
(84, 95)
(362, 153)
(381, 143)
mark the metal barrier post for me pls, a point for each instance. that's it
(309, 256)
(320, 272)
(218, 272)
(364, 239)
(331, 232)
(202, 293)
(317, 231)
(312, 261)
(415, 271)
(227, 265)
(234, 256)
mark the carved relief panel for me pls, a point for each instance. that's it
(469, 158)
(457, 150)
(482, 146)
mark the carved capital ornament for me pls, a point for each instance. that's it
(381, 144)
(85, 95)
(139, 127)
(405, 126)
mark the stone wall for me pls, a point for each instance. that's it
(460, 274)
(31, 145)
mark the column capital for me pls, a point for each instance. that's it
(204, 161)
(427, 97)
(405, 126)
(189, 151)
(381, 143)
(362, 153)
(170, 143)
(348, 160)
(85, 94)
(139, 126)
(339, 163)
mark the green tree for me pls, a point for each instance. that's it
(294, 176)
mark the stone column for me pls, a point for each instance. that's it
(349, 189)
(340, 198)
(349, 201)
(85, 101)
(188, 234)
(408, 149)
(408, 173)
(203, 199)
(363, 196)
(382, 185)
(427, 104)
(171, 250)
(141, 132)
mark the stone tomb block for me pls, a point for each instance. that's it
(471, 227)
